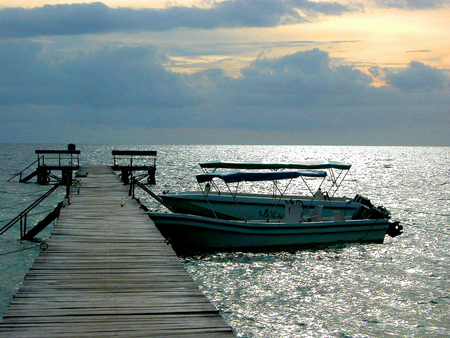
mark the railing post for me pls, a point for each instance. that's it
(131, 190)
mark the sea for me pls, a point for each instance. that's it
(400, 288)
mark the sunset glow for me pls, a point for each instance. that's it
(228, 60)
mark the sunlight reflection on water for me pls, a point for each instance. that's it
(399, 288)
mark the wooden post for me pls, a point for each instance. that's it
(67, 180)
(126, 177)
(151, 176)
(43, 175)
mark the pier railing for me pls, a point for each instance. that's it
(128, 161)
(58, 159)
(47, 161)
(21, 173)
(133, 159)
(23, 216)
(135, 182)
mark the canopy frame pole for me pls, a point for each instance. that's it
(235, 201)
(215, 186)
(207, 200)
(309, 188)
(338, 183)
(281, 194)
(312, 193)
(333, 179)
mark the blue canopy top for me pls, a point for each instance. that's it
(258, 176)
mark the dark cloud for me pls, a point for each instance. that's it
(412, 4)
(96, 17)
(416, 77)
(313, 8)
(136, 77)
(107, 77)
(303, 89)
(298, 80)
(121, 88)
(74, 19)
(55, 20)
(419, 51)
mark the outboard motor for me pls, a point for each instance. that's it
(379, 213)
(362, 212)
(395, 229)
(362, 200)
(370, 211)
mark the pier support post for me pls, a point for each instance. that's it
(43, 177)
(67, 180)
(151, 176)
(126, 177)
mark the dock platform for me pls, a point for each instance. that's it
(109, 273)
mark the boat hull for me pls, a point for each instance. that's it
(197, 233)
(250, 207)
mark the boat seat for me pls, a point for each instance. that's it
(293, 213)
(315, 215)
(338, 216)
(319, 195)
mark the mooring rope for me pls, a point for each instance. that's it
(42, 246)
(15, 205)
(33, 214)
(179, 180)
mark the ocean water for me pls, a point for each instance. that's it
(400, 288)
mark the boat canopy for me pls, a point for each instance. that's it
(258, 176)
(274, 166)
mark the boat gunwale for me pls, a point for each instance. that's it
(235, 225)
(200, 194)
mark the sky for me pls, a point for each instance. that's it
(289, 72)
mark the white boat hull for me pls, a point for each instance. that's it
(197, 233)
(255, 207)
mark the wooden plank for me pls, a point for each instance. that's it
(109, 272)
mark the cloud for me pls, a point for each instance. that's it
(303, 91)
(102, 78)
(115, 77)
(122, 89)
(297, 80)
(416, 77)
(96, 17)
(412, 4)
(92, 18)
(419, 51)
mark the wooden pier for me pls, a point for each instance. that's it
(109, 273)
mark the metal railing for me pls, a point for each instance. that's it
(59, 158)
(22, 217)
(20, 173)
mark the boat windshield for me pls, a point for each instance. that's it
(234, 177)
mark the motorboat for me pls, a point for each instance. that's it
(301, 225)
(213, 201)
(199, 233)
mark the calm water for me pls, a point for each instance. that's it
(400, 288)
